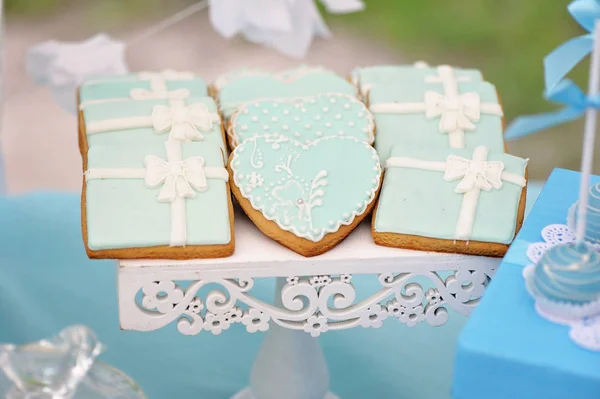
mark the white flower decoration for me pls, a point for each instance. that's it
(196, 305)
(255, 180)
(412, 316)
(346, 278)
(315, 325)
(373, 316)
(63, 66)
(395, 309)
(162, 296)
(433, 296)
(216, 323)
(234, 315)
(466, 284)
(286, 26)
(255, 320)
(320, 281)
(293, 280)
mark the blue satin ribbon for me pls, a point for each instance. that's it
(562, 60)
(565, 92)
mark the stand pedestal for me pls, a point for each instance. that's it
(313, 296)
(303, 361)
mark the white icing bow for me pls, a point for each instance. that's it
(177, 178)
(183, 123)
(483, 175)
(457, 112)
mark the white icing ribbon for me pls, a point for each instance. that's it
(457, 112)
(182, 123)
(145, 94)
(474, 174)
(158, 87)
(447, 78)
(179, 178)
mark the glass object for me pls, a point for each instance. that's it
(63, 367)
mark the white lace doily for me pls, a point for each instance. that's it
(553, 234)
(584, 332)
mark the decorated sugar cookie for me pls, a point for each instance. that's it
(247, 86)
(365, 78)
(447, 200)
(157, 200)
(307, 197)
(305, 119)
(442, 110)
(168, 84)
(128, 123)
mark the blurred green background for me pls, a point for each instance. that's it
(506, 39)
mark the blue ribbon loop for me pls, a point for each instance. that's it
(565, 92)
(563, 59)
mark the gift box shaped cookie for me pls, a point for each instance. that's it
(445, 114)
(127, 123)
(366, 78)
(454, 200)
(239, 88)
(167, 84)
(159, 200)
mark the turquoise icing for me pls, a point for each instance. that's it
(110, 87)
(133, 137)
(124, 213)
(388, 74)
(568, 273)
(420, 202)
(306, 120)
(415, 129)
(592, 224)
(252, 88)
(307, 190)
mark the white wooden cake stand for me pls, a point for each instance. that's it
(313, 295)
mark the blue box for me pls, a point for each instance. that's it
(506, 350)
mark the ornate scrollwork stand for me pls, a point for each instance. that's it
(313, 296)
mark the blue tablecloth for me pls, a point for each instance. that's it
(506, 350)
(47, 283)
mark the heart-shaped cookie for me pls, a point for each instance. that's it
(303, 119)
(307, 197)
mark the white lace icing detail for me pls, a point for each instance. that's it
(296, 198)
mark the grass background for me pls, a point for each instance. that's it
(506, 39)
